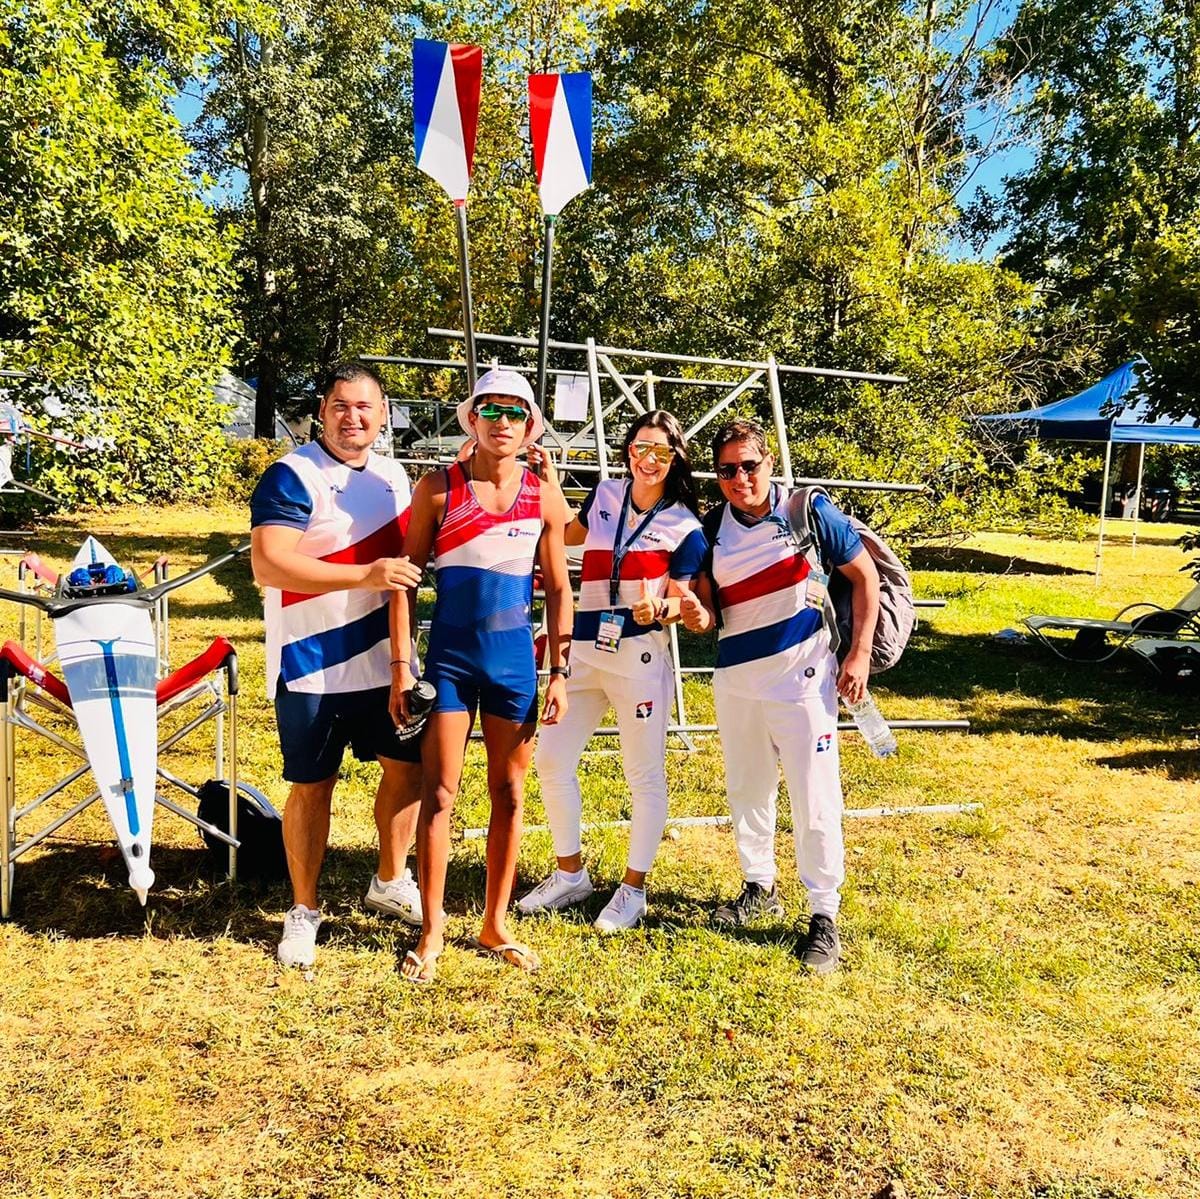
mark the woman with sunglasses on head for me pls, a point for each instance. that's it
(642, 546)
(486, 519)
(777, 681)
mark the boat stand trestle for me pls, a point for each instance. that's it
(108, 677)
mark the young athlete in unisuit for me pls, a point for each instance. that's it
(642, 545)
(487, 519)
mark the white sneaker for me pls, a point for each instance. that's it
(298, 946)
(555, 892)
(401, 897)
(624, 910)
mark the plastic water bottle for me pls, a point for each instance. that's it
(420, 698)
(420, 701)
(874, 729)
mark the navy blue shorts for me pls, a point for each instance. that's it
(460, 688)
(314, 731)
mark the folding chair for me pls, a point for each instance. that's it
(1091, 638)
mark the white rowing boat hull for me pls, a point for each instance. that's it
(108, 659)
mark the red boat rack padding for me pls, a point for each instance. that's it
(33, 670)
(33, 563)
(179, 680)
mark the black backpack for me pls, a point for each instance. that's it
(261, 857)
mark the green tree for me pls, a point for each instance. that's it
(1107, 220)
(347, 247)
(114, 281)
(776, 180)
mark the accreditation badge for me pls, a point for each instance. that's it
(608, 635)
(816, 588)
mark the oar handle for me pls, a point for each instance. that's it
(161, 589)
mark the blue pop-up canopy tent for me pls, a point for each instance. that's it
(1114, 411)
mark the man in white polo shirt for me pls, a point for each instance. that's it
(328, 523)
(777, 681)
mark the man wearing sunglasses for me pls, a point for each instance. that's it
(777, 681)
(487, 520)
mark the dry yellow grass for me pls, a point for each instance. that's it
(1017, 1015)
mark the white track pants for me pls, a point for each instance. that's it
(642, 707)
(757, 736)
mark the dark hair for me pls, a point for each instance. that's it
(680, 487)
(739, 430)
(349, 372)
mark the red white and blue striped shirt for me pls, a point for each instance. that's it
(768, 634)
(671, 546)
(484, 564)
(336, 642)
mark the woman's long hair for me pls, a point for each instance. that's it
(680, 486)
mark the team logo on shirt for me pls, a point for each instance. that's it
(645, 709)
(605, 515)
(654, 538)
(515, 531)
(824, 741)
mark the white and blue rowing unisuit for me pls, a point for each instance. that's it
(760, 575)
(626, 549)
(336, 642)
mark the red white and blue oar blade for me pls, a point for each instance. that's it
(560, 125)
(446, 80)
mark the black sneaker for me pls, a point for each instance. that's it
(755, 900)
(820, 949)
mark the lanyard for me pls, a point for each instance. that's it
(619, 550)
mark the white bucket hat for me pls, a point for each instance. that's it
(501, 382)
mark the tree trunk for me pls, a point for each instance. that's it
(921, 121)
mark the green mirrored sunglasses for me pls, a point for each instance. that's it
(496, 411)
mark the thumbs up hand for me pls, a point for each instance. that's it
(692, 612)
(645, 610)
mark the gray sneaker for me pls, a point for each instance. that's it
(554, 893)
(821, 948)
(754, 901)
(401, 897)
(298, 946)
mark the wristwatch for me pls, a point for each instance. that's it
(563, 671)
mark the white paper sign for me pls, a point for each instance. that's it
(571, 396)
(401, 416)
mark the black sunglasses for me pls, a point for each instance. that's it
(728, 471)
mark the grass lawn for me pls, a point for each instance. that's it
(1017, 1014)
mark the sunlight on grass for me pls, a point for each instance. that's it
(1016, 1016)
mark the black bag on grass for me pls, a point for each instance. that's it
(1178, 669)
(261, 857)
